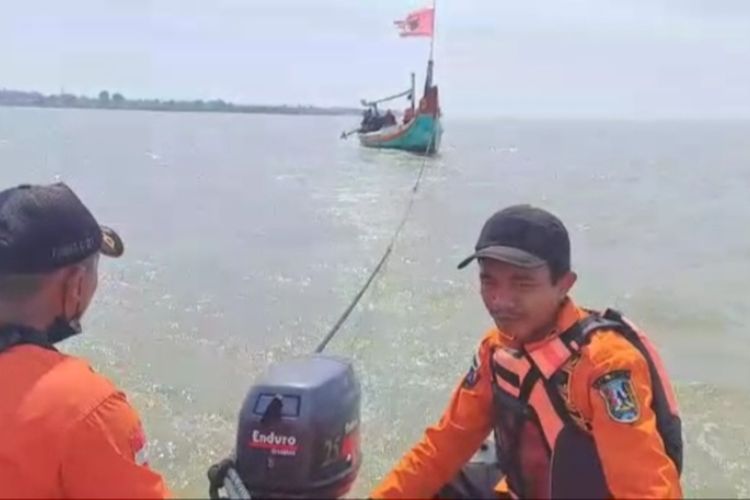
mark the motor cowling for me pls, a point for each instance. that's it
(298, 433)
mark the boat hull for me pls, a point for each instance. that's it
(421, 135)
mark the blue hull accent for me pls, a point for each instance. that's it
(421, 135)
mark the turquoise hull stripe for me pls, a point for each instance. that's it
(426, 131)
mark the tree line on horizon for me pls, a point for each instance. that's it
(115, 100)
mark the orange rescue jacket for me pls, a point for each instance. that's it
(588, 411)
(66, 431)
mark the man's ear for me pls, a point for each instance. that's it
(72, 286)
(566, 282)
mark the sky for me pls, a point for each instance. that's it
(494, 58)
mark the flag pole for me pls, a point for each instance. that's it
(432, 38)
(428, 76)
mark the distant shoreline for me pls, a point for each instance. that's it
(117, 102)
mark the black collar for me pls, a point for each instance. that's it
(13, 335)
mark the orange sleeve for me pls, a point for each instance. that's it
(448, 445)
(106, 456)
(612, 388)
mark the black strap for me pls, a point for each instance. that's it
(529, 381)
(574, 338)
(13, 335)
(505, 374)
(552, 387)
(668, 425)
(581, 331)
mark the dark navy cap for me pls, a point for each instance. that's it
(524, 236)
(46, 227)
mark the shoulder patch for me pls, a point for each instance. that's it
(472, 376)
(616, 390)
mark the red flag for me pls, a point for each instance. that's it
(418, 23)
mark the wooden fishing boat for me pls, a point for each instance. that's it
(420, 130)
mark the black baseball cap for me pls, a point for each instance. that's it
(524, 236)
(46, 227)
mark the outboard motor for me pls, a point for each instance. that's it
(298, 434)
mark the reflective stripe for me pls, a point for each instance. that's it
(507, 387)
(518, 365)
(551, 424)
(550, 357)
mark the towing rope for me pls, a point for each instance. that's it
(384, 258)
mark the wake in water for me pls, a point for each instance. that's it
(717, 441)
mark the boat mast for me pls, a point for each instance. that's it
(430, 63)
(413, 89)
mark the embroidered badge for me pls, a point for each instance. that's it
(472, 377)
(616, 390)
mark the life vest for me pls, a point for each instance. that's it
(544, 448)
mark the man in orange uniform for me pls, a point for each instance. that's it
(66, 431)
(578, 401)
